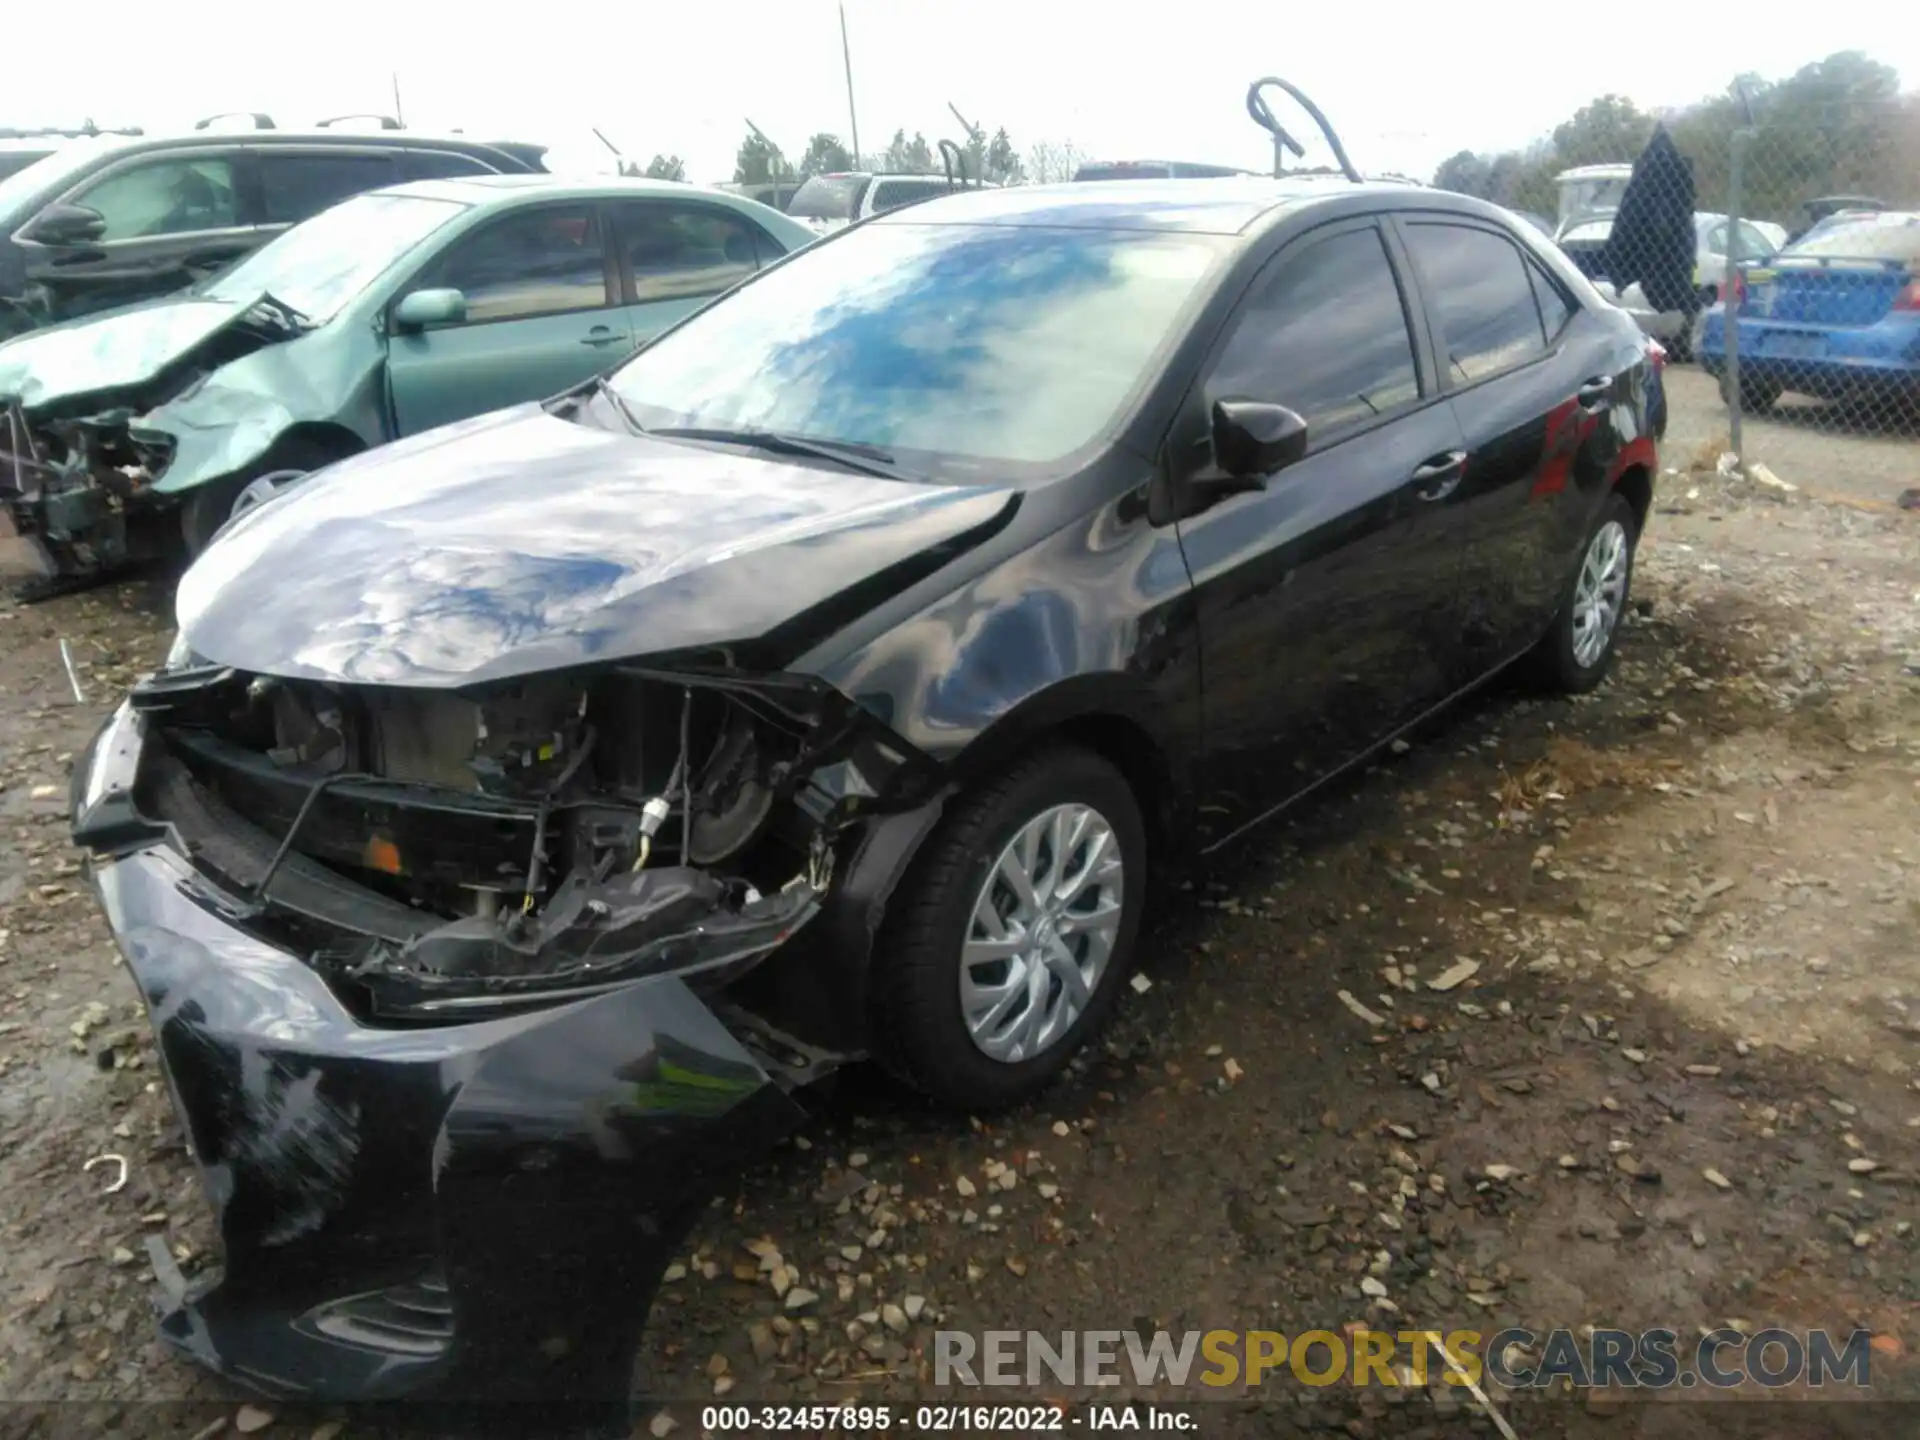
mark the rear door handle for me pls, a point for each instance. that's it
(1440, 476)
(1595, 393)
(601, 335)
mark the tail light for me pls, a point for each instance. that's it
(1656, 355)
(1909, 296)
(1739, 288)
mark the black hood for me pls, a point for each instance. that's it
(1653, 240)
(521, 542)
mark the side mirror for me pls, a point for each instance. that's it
(67, 225)
(1252, 439)
(423, 309)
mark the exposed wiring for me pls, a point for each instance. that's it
(536, 861)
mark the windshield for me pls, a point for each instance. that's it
(12, 162)
(27, 185)
(320, 265)
(1590, 195)
(827, 197)
(1892, 236)
(970, 346)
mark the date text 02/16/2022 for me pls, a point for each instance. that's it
(943, 1419)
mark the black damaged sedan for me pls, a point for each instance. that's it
(530, 808)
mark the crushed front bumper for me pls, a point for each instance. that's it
(79, 529)
(474, 1211)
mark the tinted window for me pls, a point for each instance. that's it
(892, 194)
(440, 164)
(1554, 310)
(12, 162)
(678, 251)
(1326, 334)
(1478, 287)
(538, 262)
(294, 187)
(827, 197)
(165, 197)
(961, 349)
(1122, 171)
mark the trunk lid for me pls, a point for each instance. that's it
(1828, 291)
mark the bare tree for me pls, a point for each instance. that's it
(1052, 161)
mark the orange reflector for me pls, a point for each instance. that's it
(383, 855)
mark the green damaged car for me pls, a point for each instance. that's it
(127, 436)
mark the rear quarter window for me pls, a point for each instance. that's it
(1894, 236)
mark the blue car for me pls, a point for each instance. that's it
(1835, 315)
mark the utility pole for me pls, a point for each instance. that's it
(846, 59)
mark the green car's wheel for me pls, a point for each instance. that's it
(212, 505)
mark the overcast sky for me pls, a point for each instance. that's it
(1406, 85)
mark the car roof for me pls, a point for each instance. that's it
(1610, 171)
(482, 189)
(1213, 205)
(111, 144)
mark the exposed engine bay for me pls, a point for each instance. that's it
(434, 853)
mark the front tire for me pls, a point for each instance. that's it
(210, 506)
(1006, 947)
(1576, 652)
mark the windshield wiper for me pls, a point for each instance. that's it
(867, 459)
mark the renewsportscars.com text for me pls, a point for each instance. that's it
(1650, 1359)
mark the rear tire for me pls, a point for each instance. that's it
(958, 910)
(210, 506)
(1575, 653)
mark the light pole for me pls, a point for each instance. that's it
(846, 59)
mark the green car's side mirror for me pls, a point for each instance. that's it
(424, 309)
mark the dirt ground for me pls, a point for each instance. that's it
(1693, 902)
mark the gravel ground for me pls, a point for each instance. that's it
(1846, 454)
(1688, 904)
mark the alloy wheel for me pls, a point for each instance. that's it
(1599, 594)
(1041, 932)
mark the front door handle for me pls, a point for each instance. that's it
(1595, 393)
(1440, 476)
(601, 335)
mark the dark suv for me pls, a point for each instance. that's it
(106, 221)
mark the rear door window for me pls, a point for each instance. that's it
(535, 262)
(296, 186)
(177, 195)
(679, 252)
(1479, 289)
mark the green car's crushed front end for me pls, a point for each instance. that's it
(111, 422)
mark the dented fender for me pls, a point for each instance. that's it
(238, 414)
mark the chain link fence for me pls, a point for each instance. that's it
(1768, 238)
